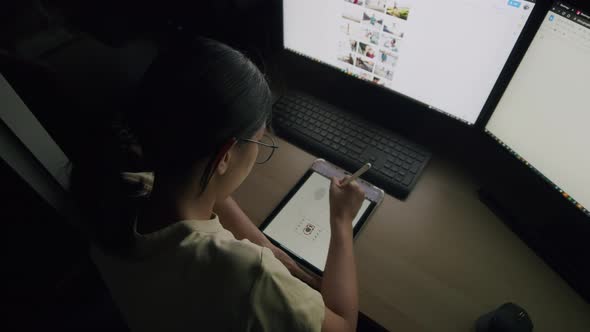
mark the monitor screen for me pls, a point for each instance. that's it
(544, 114)
(447, 55)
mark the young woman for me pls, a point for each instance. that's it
(174, 248)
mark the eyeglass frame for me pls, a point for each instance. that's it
(273, 146)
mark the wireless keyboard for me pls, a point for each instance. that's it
(348, 141)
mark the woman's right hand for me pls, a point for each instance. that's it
(339, 284)
(345, 201)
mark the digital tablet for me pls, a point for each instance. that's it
(300, 225)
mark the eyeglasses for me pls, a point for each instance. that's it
(268, 146)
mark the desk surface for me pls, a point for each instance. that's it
(437, 261)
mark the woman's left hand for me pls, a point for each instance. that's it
(311, 279)
(237, 222)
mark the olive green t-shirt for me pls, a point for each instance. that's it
(195, 276)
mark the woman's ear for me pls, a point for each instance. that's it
(224, 161)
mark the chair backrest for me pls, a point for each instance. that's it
(75, 89)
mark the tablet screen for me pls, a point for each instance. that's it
(302, 226)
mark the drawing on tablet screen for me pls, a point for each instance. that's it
(303, 224)
(308, 230)
(319, 193)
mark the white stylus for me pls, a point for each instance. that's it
(357, 174)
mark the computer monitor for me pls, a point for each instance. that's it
(447, 55)
(544, 114)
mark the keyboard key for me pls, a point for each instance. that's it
(356, 149)
(360, 144)
(311, 134)
(408, 179)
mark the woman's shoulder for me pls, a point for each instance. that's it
(222, 250)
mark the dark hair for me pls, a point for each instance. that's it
(192, 101)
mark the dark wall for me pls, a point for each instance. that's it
(19, 19)
(237, 22)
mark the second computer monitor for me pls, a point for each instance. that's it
(544, 114)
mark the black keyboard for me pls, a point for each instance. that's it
(349, 142)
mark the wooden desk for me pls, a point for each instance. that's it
(437, 261)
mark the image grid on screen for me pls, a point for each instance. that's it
(445, 55)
